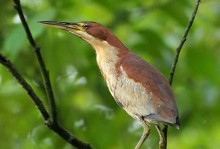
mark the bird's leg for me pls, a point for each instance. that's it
(162, 143)
(144, 136)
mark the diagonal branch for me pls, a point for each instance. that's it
(5, 62)
(62, 132)
(52, 124)
(178, 50)
(44, 71)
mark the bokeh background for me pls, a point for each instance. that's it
(151, 29)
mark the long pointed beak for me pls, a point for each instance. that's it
(69, 26)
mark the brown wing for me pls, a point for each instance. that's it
(154, 82)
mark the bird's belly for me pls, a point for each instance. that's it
(131, 95)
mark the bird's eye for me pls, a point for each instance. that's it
(85, 26)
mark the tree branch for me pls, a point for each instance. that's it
(51, 123)
(44, 71)
(178, 50)
(184, 38)
(5, 62)
(53, 126)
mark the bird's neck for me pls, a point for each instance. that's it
(108, 57)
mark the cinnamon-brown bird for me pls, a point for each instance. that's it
(137, 87)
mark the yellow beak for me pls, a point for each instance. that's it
(68, 26)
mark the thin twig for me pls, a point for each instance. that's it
(5, 62)
(42, 65)
(184, 38)
(178, 50)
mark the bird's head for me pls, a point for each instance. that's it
(91, 32)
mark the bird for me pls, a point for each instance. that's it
(136, 86)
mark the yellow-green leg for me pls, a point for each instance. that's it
(144, 136)
(162, 143)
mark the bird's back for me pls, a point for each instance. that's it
(156, 87)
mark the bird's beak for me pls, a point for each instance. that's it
(68, 26)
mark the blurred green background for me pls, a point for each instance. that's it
(151, 29)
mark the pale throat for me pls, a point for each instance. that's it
(107, 58)
(106, 55)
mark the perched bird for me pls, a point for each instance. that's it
(137, 87)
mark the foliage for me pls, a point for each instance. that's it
(151, 29)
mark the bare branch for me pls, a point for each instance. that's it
(62, 132)
(52, 124)
(44, 71)
(178, 50)
(66, 135)
(5, 62)
(184, 38)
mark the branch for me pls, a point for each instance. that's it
(178, 50)
(43, 68)
(5, 62)
(52, 124)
